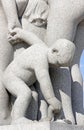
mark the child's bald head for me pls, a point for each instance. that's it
(62, 52)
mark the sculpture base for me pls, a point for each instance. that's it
(42, 126)
(60, 126)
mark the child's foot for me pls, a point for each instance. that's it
(64, 121)
(47, 119)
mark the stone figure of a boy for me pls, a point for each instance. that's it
(32, 64)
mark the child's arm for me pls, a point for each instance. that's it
(11, 13)
(46, 87)
(26, 36)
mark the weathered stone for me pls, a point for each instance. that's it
(50, 21)
(42, 126)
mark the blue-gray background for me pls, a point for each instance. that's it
(82, 71)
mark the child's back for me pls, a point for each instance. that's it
(25, 63)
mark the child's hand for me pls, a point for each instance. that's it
(15, 36)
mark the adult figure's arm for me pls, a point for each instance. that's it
(13, 10)
(11, 13)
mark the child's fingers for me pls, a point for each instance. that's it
(13, 31)
(9, 37)
(13, 40)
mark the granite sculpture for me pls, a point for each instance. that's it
(32, 64)
(50, 21)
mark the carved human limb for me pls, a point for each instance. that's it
(19, 89)
(12, 16)
(43, 111)
(32, 110)
(26, 36)
(35, 100)
(50, 113)
(45, 84)
(6, 55)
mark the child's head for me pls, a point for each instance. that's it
(61, 53)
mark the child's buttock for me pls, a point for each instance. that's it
(26, 75)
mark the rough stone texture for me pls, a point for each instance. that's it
(37, 58)
(60, 27)
(5, 57)
(59, 126)
(40, 32)
(31, 126)
(42, 126)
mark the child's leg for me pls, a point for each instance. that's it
(43, 113)
(18, 88)
(33, 107)
(50, 113)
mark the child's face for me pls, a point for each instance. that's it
(64, 57)
(63, 52)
